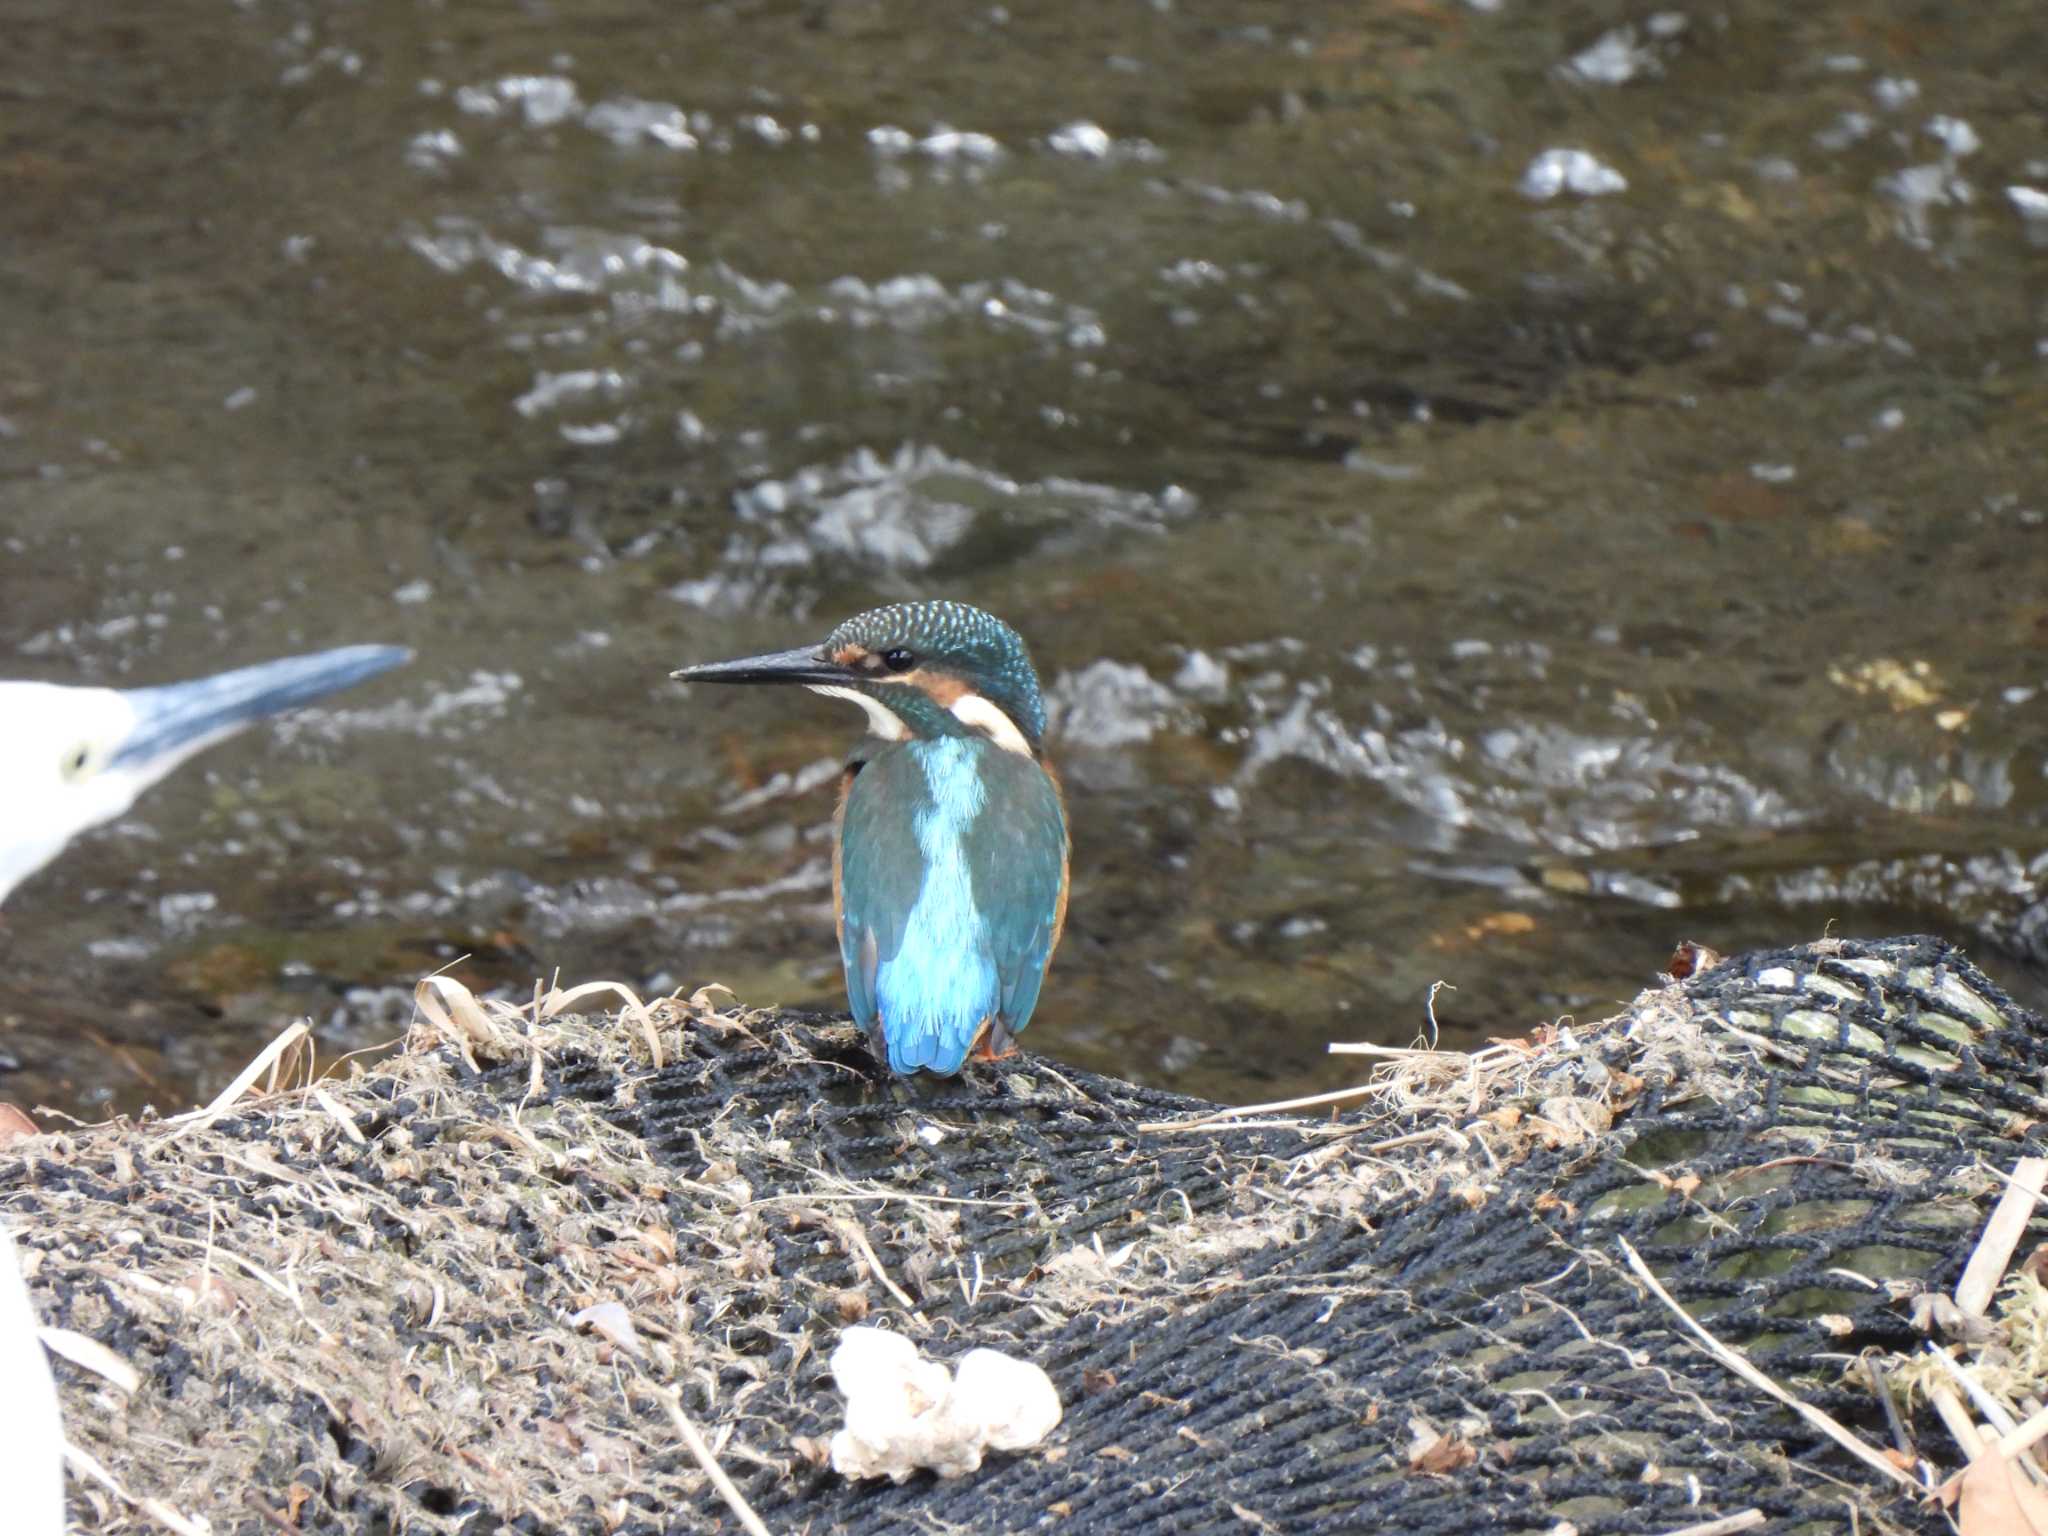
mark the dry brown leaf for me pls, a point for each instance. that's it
(1997, 1500)
(15, 1125)
(1432, 1450)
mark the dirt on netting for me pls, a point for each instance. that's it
(403, 1279)
(474, 1286)
(388, 1281)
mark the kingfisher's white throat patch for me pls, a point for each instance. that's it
(980, 714)
(882, 720)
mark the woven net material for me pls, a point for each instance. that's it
(353, 1311)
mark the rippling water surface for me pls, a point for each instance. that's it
(1493, 490)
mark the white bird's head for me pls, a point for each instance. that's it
(71, 758)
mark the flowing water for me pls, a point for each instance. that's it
(1493, 490)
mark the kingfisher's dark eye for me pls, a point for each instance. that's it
(898, 660)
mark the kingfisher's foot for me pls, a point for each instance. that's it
(994, 1043)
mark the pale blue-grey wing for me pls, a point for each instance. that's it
(1020, 869)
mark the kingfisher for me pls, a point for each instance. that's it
(71, 758)
(950, 848)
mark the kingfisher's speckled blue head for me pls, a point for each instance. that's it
(919, 670)
(949, 872)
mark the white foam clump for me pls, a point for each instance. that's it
(905, 1413)
(1569, 170)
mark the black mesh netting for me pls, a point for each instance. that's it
(1251, 1328)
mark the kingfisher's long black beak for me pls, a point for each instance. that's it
(798, 666)
(173, 722)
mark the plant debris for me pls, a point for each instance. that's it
(589, 1273)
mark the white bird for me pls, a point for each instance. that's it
(31, 1434)
(71, 758)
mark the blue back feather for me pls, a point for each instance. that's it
(952, 857)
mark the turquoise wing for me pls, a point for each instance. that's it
(1020, 867)
(878, 881)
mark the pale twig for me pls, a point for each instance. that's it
(1989, 1408)
(2030, 1433)
(851, 1231)
(2009, 1219)
(728, 1490)
(1416, 1138)
(1736, 1362)
(1224, 1116)
(808, 1197)
(1956, 1417)
(1993, 1412)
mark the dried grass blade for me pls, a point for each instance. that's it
(1225, 1116)
(852, 1233)
(728, 1490)
(340, 1116)
(90, 1354)
(86, 1466)
(1736, 1362)
(635, 1010)
(451, 1008)
(200, 1119)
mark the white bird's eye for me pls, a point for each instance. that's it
(78, 763)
